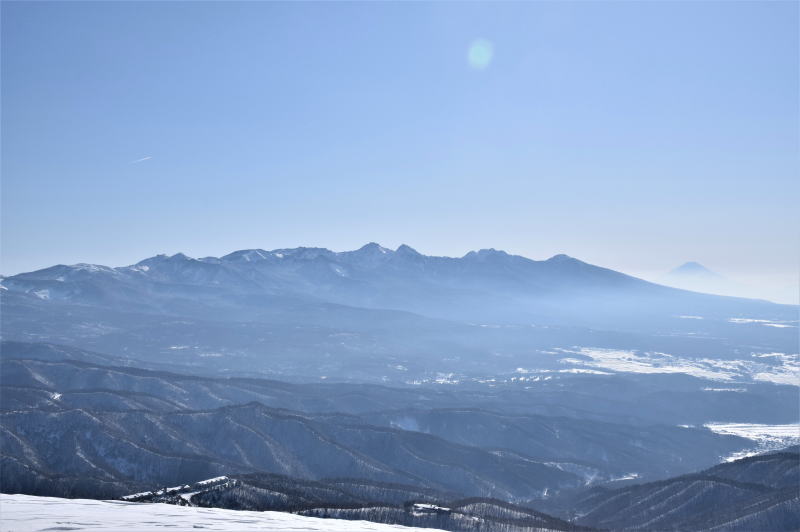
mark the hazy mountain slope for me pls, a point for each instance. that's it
(483, 285)
(776, 470)
(45, 351)
(312, 313)
(175, 447)
(627, 399)
(756, 493)
(603, 449)
(364, 345)
(591, 448)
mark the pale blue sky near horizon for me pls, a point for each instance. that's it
(633, 135)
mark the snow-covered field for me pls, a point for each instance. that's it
(783, 435)
(766, 437)
(778, 368)
(26, 513)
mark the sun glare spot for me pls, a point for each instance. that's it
(480, 53)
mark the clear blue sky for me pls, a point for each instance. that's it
(635, 135)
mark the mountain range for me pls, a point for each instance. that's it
(374, 313)
(482, 285)
(120, 429)
(755, 493)
(486, 392)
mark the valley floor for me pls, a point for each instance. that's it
(27, 513)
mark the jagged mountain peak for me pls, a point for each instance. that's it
(301, 253)
(61, 271)
(561, 257)
(163, 258)
(485, 253)
(373, 248)
(404, 249)
(247, 255)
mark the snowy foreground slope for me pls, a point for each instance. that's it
(26, 513)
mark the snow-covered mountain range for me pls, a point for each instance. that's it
(376, 377)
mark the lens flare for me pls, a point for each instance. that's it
(480, 53)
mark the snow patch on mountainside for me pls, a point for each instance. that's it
(778, 368)
(766, 437)
(767, 323)
(27, 513)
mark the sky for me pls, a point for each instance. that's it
(633, 135)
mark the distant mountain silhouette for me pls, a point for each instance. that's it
(350, 314)
(482, 285)
(696, 277)
(694, 269)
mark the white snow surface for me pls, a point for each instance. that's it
(27, 513)
(785, 435)
(778, 368)
(766, 437)
(766, 323)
